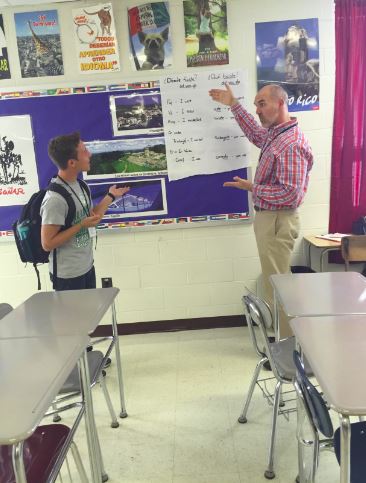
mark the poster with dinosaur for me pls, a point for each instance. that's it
(18, 170)
(39, 43)
(206, 32)
(95, 37)
(4, 61)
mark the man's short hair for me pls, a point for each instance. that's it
(278, 92)
(63, 148)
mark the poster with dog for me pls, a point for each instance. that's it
(150, 44)
(206, 31)
(95, 37)
(288, 54)
(4, 61)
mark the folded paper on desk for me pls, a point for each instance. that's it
(332, 236)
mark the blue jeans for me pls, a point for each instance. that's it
(87, 280)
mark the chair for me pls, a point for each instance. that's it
(279, 355)
(318, 416)
(43, 455)
(353, 249)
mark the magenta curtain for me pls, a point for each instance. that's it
(348, 178)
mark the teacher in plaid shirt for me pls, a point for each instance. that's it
(280, 181)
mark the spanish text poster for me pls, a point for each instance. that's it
(127, 158)
(138, 112)
(288, 54)
(206, 31)
(202, 136)
(18, 170)
(39, 43)
(145, 198)
(149, 29)
(95, 37)
(4, 61)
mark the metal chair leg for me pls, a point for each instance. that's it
(114, 423)
(243, 417)
(78, 463)
(104, 475)
(269, 473)
(56, 417)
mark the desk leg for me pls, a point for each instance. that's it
(18, 463)
(345, 437)
(89, 420)
(123, 413)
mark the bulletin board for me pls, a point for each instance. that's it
(154, 201)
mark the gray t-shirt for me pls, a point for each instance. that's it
(75, 257)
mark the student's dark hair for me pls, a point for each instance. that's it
(63, 148)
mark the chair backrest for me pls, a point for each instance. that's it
(353, 249)
(5, 309)
(315, 404)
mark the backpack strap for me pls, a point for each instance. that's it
(57, 188)
(86, 190)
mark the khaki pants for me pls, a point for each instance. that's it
(276, 232)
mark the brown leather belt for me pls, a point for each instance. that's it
(256, 208)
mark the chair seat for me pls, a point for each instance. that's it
(358, 446)
(72, 383)
(40, 453)
(282, 352)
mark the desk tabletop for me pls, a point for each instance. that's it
(322, 242)
(324, 293)
(32, 371)
(58, 313)
(336, 350)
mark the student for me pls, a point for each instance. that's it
(74, 254)
(280, 181)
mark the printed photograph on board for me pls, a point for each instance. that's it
(145, 197)
(149, 29)
(137, 113)
(288, 54)
(127, 158)
(206, 31)
(39, 43)
(4, 60)
(18, 170)
(95, 39)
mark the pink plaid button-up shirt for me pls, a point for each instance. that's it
(282, 175)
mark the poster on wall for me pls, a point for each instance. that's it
(137, 113)
(39, 43)
(149, 32)
(288, 54)
(95, 38)
(145, 198)
(206, 32)
(127, 158)
(4, 61)
(18, 171)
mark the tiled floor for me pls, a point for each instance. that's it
(184, 392)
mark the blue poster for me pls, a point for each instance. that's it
(288, 55)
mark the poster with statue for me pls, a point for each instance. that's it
(206, 32)
(288, 54)
(39, 43)
(18, 170)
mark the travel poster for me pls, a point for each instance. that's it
(39, 43)
(288, 54)
(4, 60)
(150, 43)
(95, 38)
(206, 32)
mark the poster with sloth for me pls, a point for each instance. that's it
(95, 37)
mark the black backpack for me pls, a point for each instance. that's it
(27, 229)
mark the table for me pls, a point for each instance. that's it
(66, 313)
(318, 294)
(51, 360)
(335, 347)
(325, 246)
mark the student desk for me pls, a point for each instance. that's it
(325, 246)
(67, 312)
(335, 347)
(32, 372)
(318, 294)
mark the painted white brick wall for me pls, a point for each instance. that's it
(198, 272)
